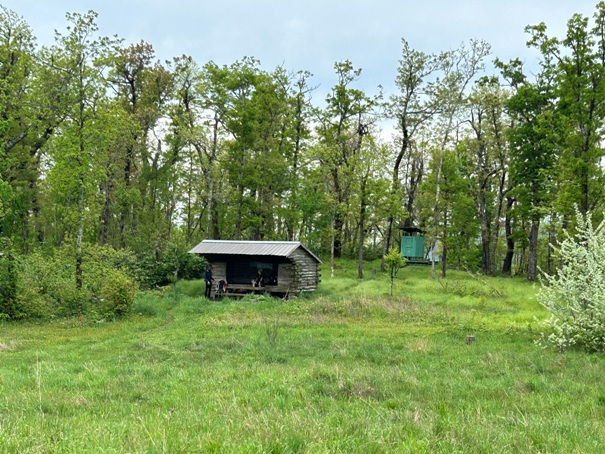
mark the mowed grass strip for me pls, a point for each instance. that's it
(339, 371)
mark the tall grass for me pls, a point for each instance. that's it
(348, 369)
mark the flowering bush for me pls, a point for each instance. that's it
(575, 295)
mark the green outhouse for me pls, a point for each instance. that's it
(412, 244)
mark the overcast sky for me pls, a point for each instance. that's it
(312, 34)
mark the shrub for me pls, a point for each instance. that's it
(9, 306)
(117, 294)
(160, 268)
(394, 262)
(46, 285)
(575, 295)
(98, 259)
(33, 304)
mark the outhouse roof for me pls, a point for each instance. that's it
(411, 229)
(259, 248)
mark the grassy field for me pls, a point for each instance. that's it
(347, 369)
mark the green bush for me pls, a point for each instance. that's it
(9, 307)
(98, 259)
(46, 284)
(33, 304)
(575, 295)
(158, 268)
(46, 287)
(117, 294)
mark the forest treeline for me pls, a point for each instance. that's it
(105, 148)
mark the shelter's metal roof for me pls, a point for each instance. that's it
(268, 248)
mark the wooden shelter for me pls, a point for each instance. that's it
(287, 266)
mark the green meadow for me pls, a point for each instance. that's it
(348, 369)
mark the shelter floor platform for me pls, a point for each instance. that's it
(239, 290)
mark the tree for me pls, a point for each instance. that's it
(368, 188)
(299, 135)
(533, 138)
(459, 68)
(31, 108)
(487, 163)
(315, 204)
(457, 223)
(412, 108)
(187, 136)
(75, 153)
(274, 151)
(206, 101)
(577, 67)
(143, 88)
(343, 125)
(8, 282)
(394, 262)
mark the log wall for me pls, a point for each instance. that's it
(306, 271)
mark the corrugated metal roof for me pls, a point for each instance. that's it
(269, 248)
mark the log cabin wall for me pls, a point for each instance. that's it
(306, 271)
(286, 277)
(219, 270)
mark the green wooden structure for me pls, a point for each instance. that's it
(412, 245)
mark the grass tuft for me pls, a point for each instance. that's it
(8, 346)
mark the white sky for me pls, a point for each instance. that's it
(312, 34)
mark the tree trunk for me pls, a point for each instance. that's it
(128, 165)
(485, 252)
(360, 253)
(496, 221)
(444, 246)
(532, 258)
(332, 254)
(510, 242)
(395, 187)
(551, 240)
(362, 216)
(240, 198)
(486, 234)
(79, 238)
(387, 241)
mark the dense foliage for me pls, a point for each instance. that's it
(102, 145)
(575, 295)
(44, 284)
